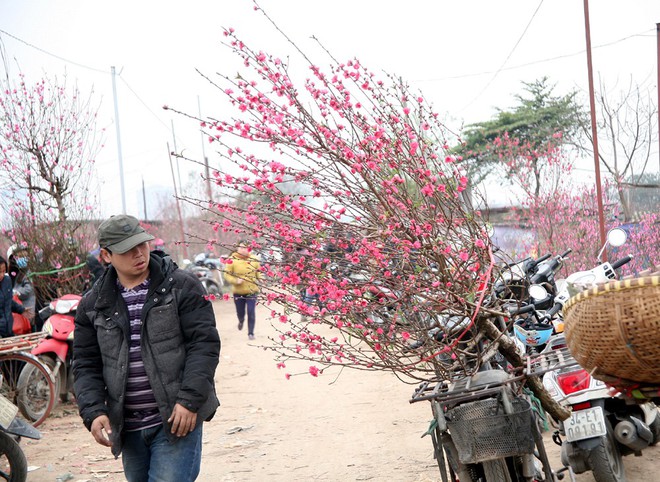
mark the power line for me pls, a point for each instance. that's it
(541, 61)
(507, 57)
(53, 55)
(144, 104)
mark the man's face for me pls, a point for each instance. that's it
(133, 263)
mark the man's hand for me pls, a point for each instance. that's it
(99, 425)
(183, 420)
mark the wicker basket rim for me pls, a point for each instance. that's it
(611, 286)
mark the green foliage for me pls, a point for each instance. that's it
(539, 119)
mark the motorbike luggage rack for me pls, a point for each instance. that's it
(462, 391)
(557, 359)
(18, 343)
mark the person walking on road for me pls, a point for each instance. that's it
(144, 358)
(243, 273)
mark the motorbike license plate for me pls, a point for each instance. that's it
(588, 423)
(7, 412)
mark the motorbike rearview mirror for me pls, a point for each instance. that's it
(616, 237)
(538, 292)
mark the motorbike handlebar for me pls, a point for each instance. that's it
(549, 268)
(554, 310)
(542, 259)
(520, 311)
(620, 262)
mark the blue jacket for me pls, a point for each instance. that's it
(180, 347)
(7, 306)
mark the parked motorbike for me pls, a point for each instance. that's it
(205, 268)
(12, 428)
(205, 275)
(484, 426)
(602, 428)
(204, 259)
(485, 431)
(56, 349)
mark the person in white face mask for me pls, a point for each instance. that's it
(17, 258)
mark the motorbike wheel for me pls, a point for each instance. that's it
(606, 460)
(30, 376)
(35, 397)
(496, 471)
(13, 464)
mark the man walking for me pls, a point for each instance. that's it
(145, 353)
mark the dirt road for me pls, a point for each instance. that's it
(348, 426)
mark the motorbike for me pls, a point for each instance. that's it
(204, 269)
(12, 428)
(204, 259)
(603, 427)
(485, 428)
(56, 349)
(205, 276)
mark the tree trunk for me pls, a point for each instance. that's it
(508, 349)
(625, 205)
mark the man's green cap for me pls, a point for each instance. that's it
(121, 233)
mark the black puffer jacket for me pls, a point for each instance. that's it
(180, 347)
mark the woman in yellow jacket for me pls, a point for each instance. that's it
(243, 274)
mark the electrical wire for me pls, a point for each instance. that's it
(507, 58)
(540, 61)
(53, 55)
(144, 104)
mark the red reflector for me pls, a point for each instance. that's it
(574, 381)
(581, 406)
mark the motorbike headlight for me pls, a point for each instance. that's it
(65, 306)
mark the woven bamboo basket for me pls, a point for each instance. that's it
(613, 330)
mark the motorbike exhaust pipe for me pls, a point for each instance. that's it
(633, 433)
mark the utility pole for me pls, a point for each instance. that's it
(178, 207)
(178, 171)
(144, 200)
(207, 173)
(119, 156)
(594, 133)
(657, 67)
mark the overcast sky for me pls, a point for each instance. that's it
(467, 57)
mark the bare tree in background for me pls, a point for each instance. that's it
(627, 130)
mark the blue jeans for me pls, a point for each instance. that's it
(148, 456)
(246, 303)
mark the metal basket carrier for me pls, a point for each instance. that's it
(482, 431)
(20, 343)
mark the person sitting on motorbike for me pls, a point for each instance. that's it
(17, 257)
(7, 303)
